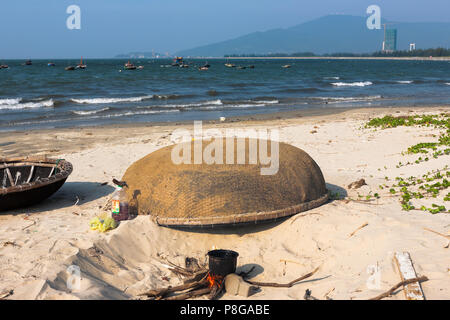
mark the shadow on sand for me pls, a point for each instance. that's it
(246, 228)
(71, 193)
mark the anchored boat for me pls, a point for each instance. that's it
(129, 66)
(27, 181)
(81, 65)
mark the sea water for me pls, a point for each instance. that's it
(38, 96)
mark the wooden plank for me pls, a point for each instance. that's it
(413, 291)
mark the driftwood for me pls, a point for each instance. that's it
(165, 291)
(196, 277)
(191, 294)
(281, 285)
(359, 228)
(438, 233)
(216, 290)
(398, 285)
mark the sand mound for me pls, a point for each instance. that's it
(228, 192)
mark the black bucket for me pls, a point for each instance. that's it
(222, 262)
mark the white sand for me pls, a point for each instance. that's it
(49, 237)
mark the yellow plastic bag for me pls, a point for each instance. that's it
(102, 223)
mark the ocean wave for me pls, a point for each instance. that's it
(352, 84)
(299, 90)
(114, 115)
(171, 96)
(332, 78)
(111, 100)
(447, 83)
(15, 104)
(187, 105)
(88, 112)
(132, 113)
(267, 101)
(405, 81)
(347, 99)
(343, 99)
(10, 101)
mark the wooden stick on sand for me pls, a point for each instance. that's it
(281, 285)
(363, 226)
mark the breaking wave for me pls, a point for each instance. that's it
(89, 112)
(352, 84)
(16, 104)
(111, 100)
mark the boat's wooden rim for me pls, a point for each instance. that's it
(65, 169)
(247, 218)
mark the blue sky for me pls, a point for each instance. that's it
(37, 29)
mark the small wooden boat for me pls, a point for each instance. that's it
(69, 68)
(27, 181)
(204, 68)
(81, 65)
(129, 66)
(28, 63)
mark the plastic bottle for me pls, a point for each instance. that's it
(119, 208)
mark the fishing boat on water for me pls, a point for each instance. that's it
(28, 63)
(286, 66)
(230, 65)
(51, 64)
(129, 66)
(4, 66)
(178, 61)
(81, 65)
(69, 68)
(27, 181)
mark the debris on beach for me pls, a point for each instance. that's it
(103, 223)
(357, 184)
(201, 281)
(413, 291)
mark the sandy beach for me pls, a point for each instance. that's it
(38, 244)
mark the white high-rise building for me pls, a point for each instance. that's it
(412, 46)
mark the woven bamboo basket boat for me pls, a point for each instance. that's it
(211, 195)
(27, 181)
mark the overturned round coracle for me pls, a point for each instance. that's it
(224, 182)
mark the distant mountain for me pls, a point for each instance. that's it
(329, 34)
